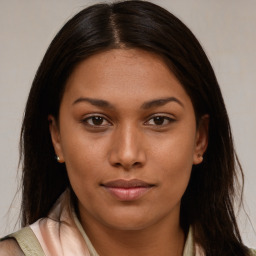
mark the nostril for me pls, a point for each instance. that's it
(117, 165)
(128, 166)
(137, 164)
(127, 157)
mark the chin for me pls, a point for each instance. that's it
(129, 221)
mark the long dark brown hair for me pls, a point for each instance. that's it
(207, 204)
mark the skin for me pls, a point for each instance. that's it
(131, 139)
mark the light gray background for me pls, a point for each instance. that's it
(226, 29)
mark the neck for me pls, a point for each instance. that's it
(162, 238)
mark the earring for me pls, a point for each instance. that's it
(58, 159)
(201, 157)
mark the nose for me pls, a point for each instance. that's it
(127, 149)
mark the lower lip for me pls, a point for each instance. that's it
(128, 194)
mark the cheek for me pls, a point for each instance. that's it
(176, 149)
(174, 159)
(84, 157)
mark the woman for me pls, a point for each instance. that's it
(126, 143)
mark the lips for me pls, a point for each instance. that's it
(127, 190)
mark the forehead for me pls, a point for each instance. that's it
(131, 74)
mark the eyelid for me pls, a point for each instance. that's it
(89, 116)
(168, 117)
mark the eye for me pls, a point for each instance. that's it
(160, 120)
(96, 121)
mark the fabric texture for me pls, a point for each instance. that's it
(253, 252)
(28, 242)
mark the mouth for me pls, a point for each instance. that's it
(127, 190)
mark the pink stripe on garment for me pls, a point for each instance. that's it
(58, 234)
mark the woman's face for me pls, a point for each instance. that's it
(128, 136)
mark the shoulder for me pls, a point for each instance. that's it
(9, 247)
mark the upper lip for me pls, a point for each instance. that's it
(121, 183)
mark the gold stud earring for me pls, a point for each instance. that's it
(58, 159)
(201, 157)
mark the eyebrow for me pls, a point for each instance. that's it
(94, 102)
(145, 105)
(160, 102)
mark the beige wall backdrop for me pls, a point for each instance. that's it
(226, 29)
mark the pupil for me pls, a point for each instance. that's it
(97, 120)
(158, 120)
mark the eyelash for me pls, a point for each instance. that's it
(163, 118)
(86, 121)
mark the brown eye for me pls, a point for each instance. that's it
(96, 121)
(159, 120)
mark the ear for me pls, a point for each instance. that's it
(56, 139)
(201, 142)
